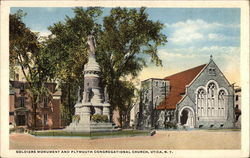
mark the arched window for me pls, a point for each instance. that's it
(222, 102)
(163, 84)
(201, 102)
(211, 93)
(156, 83)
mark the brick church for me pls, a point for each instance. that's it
(200, 97)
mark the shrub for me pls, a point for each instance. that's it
(76, 118)
(99, 118)
(11, 130)
(170, 125)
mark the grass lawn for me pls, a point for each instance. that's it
(121, 133)
(229, 129)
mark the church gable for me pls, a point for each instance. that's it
(209, 97)
(210, 73)
(186, 101)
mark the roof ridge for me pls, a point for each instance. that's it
(178, 83)
(203, 65)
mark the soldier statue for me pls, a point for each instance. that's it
(91, 43)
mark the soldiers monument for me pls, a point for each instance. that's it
(92, 110)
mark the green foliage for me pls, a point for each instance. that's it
(123, 40)
(28, 53)
(76, 118)
(67, 47)
(68, 44)
(127, 36)
(169, 125)
(68, 99)
(99, 118)
(65, 113)
(122, 133)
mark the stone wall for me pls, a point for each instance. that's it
(153, 93)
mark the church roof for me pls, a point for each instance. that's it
(178, 83)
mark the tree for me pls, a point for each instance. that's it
(28, 53)
(68, 47)
(127, 36)
(123, 39)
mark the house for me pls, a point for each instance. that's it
(200, 97)
(21, 113)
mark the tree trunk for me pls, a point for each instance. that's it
(69, 103)
(128, 118)
(121, 118)
(35, 116)
(34, 110)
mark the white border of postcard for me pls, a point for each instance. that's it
(244, 64)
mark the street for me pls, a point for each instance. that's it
(197, 139)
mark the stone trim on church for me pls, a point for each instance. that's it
(200, 97)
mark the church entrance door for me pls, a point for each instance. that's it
(186, 117)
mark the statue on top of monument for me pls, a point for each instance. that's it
(91, 43)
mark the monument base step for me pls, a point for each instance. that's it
(92, 127)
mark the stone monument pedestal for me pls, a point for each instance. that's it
(85, 124)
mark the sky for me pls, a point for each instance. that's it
(193, 35)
